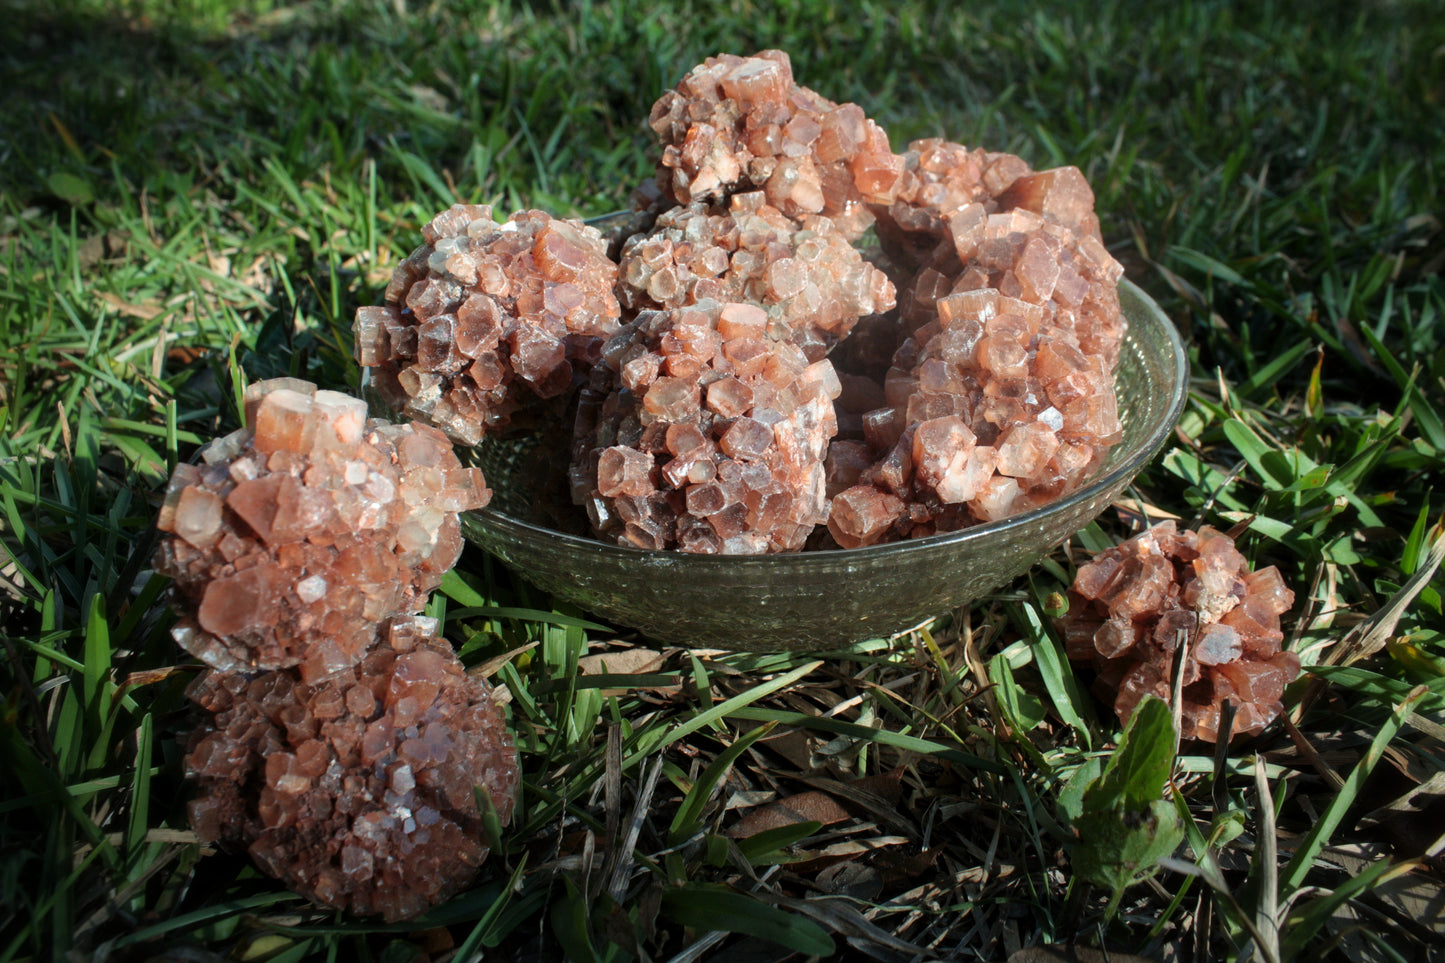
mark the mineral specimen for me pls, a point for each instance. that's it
(356, 790)
(700, 433)
(738, 124)
(1167, 601)
(296, 536)
(968, 219)
(344, 741)
(812, 282)
(979, 384)
(1000, 397)
(485, 321)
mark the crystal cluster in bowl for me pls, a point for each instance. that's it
(826, 599)
(486, 321)
(810, 341)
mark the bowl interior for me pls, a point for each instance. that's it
(819, 600)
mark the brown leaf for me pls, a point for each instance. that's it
(1130, 509)
(887, 858)
(143, 311)
(1417, 897)
(489, 668)
(804, 807)
(854, 879)
(863, 793)
(862, 847)
(794, 745)
(632, 661)
(185, 354)
(149, 676)
(899, 869)
(438, 939)
(888, 786)
(1416, 800)
(98, 247)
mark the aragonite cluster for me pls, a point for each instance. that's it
(1000, 397)
(972, 337)
(741, 124)
(296, 536)
(812, 283)
(357, 790)
(703, 435)
(1169, 601)
(485, 321)
(344, 740)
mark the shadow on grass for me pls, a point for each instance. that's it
(97, 100)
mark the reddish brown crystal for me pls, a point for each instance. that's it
(486, 320)
(1163, 596)
(294, 537)
(965, 220)
(862, 514)
(723, 456)
(356, 790)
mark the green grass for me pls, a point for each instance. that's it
(193, 193)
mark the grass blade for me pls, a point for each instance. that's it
(708, 908)
(1319, 836)
(688, 818)
(730, 707)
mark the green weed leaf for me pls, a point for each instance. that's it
(70, 188)
(1126, 826)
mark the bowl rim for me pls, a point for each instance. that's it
(673, 558)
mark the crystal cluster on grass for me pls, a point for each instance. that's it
(356, 790)
(297, 535)
(1138, 609)
(485, 321)
(344, 740)
(702, 434)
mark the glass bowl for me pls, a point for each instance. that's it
(820, 600)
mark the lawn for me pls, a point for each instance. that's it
(198, 195)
